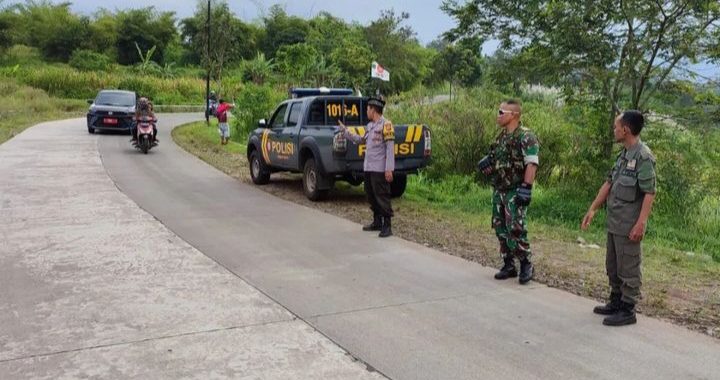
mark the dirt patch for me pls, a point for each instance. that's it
(688, 298)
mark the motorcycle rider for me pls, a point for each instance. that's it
(144, 114)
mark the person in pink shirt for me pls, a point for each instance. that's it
(223, 126)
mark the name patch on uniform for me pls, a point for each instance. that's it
(631, 164)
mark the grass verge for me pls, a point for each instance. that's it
(22, 107)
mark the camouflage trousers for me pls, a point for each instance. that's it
(510, 223)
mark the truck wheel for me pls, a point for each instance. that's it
(311, 179)
(398, 185)
(259, 172)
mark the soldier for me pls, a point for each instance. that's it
(378, 166)
(512, 164)
(630, 192)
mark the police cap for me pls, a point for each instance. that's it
(377, 102)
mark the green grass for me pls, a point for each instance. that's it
(22, 107)
(203, 135)
(556, 213)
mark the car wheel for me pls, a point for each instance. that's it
(259, 172)
(91, 130)
(311, 178)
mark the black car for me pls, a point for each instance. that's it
(112, 110)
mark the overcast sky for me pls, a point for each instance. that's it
(426, 18)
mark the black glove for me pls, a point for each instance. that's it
(524, 194)
(485, 163)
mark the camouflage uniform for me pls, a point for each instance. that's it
(511, 153)
(631, 178)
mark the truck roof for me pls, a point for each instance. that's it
(297, 93)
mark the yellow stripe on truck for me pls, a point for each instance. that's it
(418, 133)
(409, 134)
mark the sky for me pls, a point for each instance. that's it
(426, 18)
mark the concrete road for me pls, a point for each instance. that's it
(92, 286)
(407, 311)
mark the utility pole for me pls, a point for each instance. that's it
(207, 78)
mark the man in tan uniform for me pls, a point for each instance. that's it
(629, 191)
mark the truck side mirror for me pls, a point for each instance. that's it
(90, 101)
(262, 123)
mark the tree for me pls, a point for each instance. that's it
(258, 70)
(53, 29)
(622, 50)
(322, 73)
(398, 50)
(5, 30)
(147, 28)
(294, 61)
(457, 64)
(231, 39)
(281, 29)
(103, 34)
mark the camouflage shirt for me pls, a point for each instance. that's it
(511, 152)
(631, 178)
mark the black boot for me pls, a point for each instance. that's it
(526, 271)
(624, 316)
(376, 224)
(386, 227)
(611, 307)
(508, 270)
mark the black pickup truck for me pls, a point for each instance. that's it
(302, 137)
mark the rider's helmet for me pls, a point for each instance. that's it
(144, 104)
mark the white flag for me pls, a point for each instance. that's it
(377, 71)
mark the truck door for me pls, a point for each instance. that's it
(290, 135)
(270, 140)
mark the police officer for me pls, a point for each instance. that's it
(629, 191)
(511, 165)
(378, 166)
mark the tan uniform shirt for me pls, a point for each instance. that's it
(631, 178)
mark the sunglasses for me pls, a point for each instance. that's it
(503, 112)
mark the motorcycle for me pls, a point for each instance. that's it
(212, 108)
(145, 140)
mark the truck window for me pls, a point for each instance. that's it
(295, 113)
(278, 120)
(316, 115)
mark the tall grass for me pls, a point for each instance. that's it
(65, 82)
(22, 106)
(687, 210)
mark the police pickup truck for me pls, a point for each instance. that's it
(302, 136)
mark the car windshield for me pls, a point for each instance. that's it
(119, 99)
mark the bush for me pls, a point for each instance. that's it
(254, 102)
(88, 60)
(22, 55)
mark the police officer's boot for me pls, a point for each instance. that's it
(386, 227)
(611, 307)
(526, 271)
(624, 316)
(376, 224)
(508, 270)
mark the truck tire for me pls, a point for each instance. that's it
(311, 178)
(398, 185)
(259, 172)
